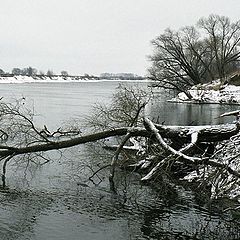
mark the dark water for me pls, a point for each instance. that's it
(189, 114)
(56, 200)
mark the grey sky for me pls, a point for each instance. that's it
(93, 36)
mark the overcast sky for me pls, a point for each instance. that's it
(94, 36)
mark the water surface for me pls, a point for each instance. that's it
(56, 201)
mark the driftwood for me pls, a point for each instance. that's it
(51, 145)
(188, 136)
(181, 156)
(207, 133)
(191, 134)
(8, 152)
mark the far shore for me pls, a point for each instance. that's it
(17, 79)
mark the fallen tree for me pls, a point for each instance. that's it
(210, 133)
(185, 158)
(159, 148)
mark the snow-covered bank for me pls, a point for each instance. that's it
(213, 93)
(55, 79)
(42, 79)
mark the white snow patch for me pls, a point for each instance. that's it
(56, 79)
(211, 93)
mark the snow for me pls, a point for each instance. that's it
(192, 176)
(54, 79)
(235, 113)
(193, 129)
(143, 164)
(32, 79)
(222, 184)
(211, 93)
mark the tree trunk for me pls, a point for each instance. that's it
(207, 133)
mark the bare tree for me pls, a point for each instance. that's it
(1, 72)
(49, 73)
(185, 58)
(29, 71)
(16, 71)
(126, 108)
(180, 60)
(64, 73)
(223, 37)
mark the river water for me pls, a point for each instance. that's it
(55, 201)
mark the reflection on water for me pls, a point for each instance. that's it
(80, 212)
(189, 114)
(56, 200)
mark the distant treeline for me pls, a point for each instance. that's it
(121, 76)
(33, 72)
(44, 76)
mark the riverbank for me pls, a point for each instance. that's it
(56, 79)
(211, 93)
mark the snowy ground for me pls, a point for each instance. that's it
(52, 79)
(211, 93)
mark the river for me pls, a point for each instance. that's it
(55, 201)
